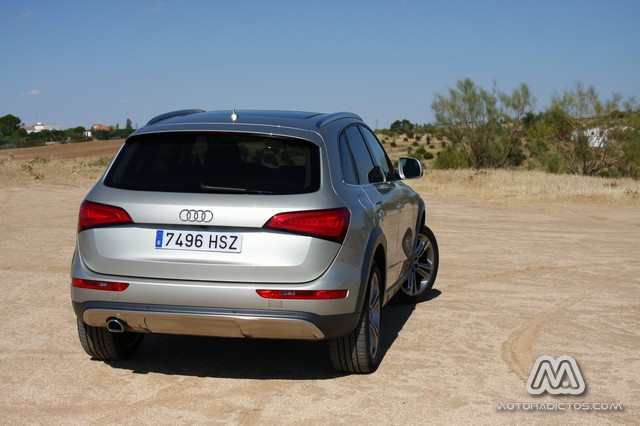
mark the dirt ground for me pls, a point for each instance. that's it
(515, 282)
(63, 151)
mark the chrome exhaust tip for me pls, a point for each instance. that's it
(114, 325)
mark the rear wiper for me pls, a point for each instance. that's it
(230, 190)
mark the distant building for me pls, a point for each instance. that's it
(96, 127)
(89, 133)
(38, 127)
(596, 137)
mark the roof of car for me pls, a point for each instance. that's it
(300, 119)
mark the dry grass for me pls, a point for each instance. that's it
(59, 172)
(401, 146)
(512, 186)
(521, 186)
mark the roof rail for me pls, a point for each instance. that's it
(326, 119)
(178, 113)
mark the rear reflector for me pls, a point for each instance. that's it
(329, 224)
(98, 285)
(93, 215)
(303, 294)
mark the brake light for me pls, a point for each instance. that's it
(329, 224)
(98, 285)
(303, 294)
(93, 215)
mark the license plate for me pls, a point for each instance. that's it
(199, 241)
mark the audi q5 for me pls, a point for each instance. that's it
(251, 224)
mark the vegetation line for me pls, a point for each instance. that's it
(479, 128)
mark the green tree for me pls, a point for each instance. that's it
(630, 163)
(487, 126)
(102, 135)
(9, 125)
(122, 133)
(404, 126)
(76, 134)
(600, 132)
(451, 158)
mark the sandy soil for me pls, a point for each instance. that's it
(63, 151)
(515, 282)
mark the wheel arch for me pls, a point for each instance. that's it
(421, 219)
(422, 214)
(375, 251)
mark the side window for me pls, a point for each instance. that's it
(366, 170)
(379, 155)
(348, 170)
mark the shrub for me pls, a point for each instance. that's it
(553, 162)
(102, 161)
(451, 158)
(422, 153)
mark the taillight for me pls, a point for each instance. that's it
(303, 294)
(329, 224)
(93, 215)
(98, 285)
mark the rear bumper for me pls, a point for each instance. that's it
(218, 322)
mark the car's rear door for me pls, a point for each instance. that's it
(374, 179)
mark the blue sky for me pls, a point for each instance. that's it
(76, 63)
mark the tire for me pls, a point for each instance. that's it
(359, 351)
(104, 345)
(424, 268)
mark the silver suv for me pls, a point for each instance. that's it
(258, 224)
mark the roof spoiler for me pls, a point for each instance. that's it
(336, 116)
(178, 113)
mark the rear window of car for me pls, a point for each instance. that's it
(216, 163)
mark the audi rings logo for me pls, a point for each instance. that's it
(196, 215)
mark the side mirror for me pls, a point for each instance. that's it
(409, 168)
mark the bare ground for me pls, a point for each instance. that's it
(63, 151)
(515, 282)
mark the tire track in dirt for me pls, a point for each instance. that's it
(517, 349)
(527, 271)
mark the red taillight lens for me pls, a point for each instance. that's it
(93, 215)
(303, 294)
(98, 285)
(329, 224)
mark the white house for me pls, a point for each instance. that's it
(596, 137)
(38, 127)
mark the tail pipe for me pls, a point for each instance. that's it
(114, 325)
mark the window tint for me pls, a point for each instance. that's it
(348, 170)
(366, 170)
(231, 163)
(379, 155)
